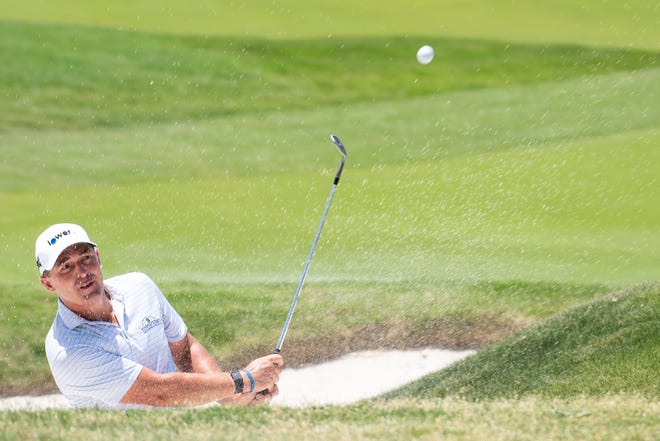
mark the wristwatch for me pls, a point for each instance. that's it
(238, 381)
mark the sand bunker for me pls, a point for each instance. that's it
(360, 375)
(348, 379)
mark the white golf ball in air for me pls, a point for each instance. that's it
(425, 54)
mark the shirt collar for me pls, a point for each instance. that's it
(73, 320)
(70, 318)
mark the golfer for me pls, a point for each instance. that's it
(118, 342)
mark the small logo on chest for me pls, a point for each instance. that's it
(149, 323)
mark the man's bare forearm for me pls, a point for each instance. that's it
(190, 356)
(179, 389)
(206, 383)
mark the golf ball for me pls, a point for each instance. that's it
(425, 54)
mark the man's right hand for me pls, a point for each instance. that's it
(266, 372)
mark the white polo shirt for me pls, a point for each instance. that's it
(95, 363)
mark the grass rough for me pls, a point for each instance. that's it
(606, 346)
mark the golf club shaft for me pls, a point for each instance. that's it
(304, 273)
(292, 308)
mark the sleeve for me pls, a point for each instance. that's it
(175, 327)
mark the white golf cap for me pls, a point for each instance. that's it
(56, 239)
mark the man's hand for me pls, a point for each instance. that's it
(265, 371)
(264, 396)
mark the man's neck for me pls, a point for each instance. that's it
(96, 313)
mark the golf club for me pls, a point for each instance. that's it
(342, 150)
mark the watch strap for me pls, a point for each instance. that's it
(238, 381)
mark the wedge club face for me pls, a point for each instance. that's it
(339, 144)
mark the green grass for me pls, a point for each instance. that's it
(497, 199)
(74, 77)
(504, 175)
(611, 417)
(592, 22)
(608, 346)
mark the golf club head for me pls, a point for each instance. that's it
(342, 150)
(339, 144)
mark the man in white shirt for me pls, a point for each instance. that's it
(119, 342)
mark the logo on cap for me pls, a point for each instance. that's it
(53, 241)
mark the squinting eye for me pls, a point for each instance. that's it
(65, 268)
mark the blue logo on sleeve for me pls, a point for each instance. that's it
(149, 323)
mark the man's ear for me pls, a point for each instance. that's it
(45, 281)
(98, 256)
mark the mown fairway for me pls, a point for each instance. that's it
(594, 22)
(512, 179)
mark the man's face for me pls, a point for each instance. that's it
(76, 277)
